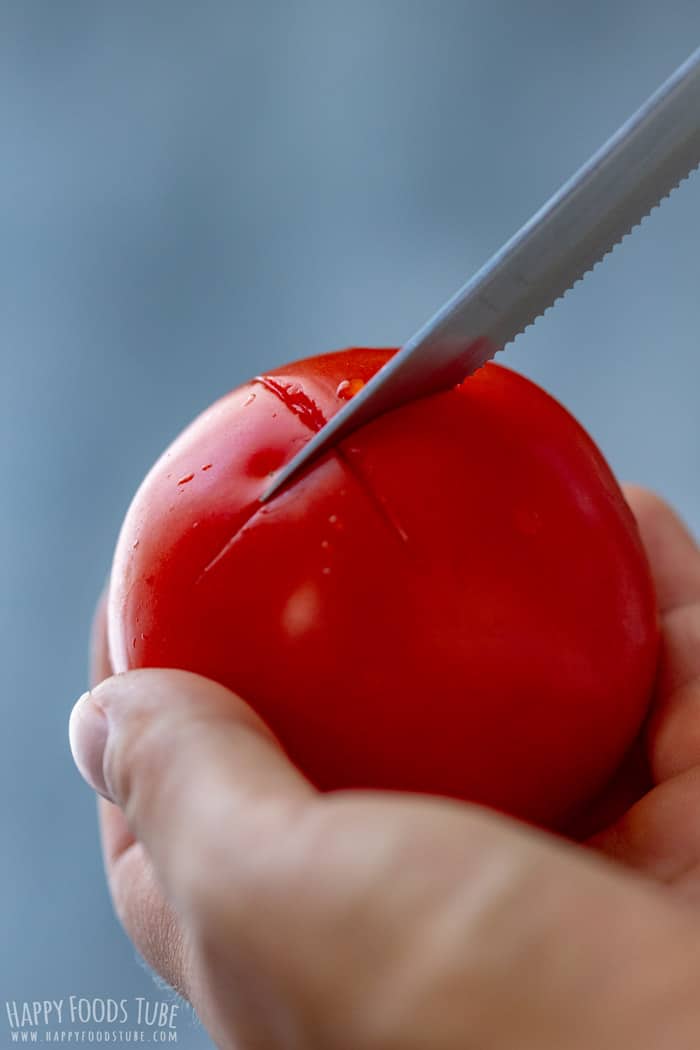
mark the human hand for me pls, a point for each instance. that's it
(360, 919)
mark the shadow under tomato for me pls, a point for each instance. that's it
(631, 781)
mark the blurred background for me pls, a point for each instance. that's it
(190, 193)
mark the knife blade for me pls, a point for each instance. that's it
(640, 165)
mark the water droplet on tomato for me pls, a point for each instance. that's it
(325, 544)
(326, 570)
(347, 388)
(135, 544)
(207, 466)
(249, 400)
(187, 477)
(333, 519)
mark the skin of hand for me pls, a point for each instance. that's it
(292, 919)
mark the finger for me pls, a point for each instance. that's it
(674, 730)
(196, 772)
(660, 835)
(139, 902)
(673, 553)
(100, 665)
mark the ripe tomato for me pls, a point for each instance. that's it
(456, 600)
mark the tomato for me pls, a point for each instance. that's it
(455, 600)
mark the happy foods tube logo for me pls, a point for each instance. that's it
(77, 1019)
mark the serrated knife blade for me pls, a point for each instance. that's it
(643, 162)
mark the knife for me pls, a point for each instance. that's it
(643, 162)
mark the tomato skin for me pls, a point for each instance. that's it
(455, 601)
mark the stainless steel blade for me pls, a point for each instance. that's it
(640, 165)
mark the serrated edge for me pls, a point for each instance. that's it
(635, 226)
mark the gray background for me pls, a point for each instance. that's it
(190, 192)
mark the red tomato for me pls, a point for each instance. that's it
(454, 601)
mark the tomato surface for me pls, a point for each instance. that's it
(454, 601)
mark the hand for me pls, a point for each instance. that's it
(360, 919)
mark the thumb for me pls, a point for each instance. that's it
(190, 765)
